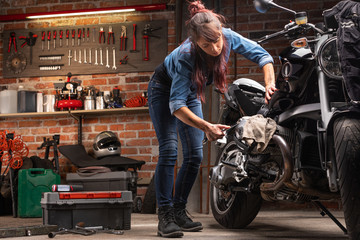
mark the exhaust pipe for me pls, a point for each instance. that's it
(288, 166)
(285, 179)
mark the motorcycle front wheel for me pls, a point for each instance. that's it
(233, 209)
(347, 150)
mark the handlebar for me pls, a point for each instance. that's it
(291, 27)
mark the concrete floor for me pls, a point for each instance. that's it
(269, 224)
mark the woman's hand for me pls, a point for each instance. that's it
(269, 79)
(215, 131)
(269, 91)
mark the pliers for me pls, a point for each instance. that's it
(12, 40)
(111, 35)
(101, 34)
(123, 38)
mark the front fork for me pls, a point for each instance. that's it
(326, 114)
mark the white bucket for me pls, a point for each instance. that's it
(8, 101)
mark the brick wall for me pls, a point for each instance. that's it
(135, 130)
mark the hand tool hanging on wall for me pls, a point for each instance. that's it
(43, 40)
(56, 57)
(61, 37)
(123, 38)
(30, 41)
(114, 59)
(146, 34)
(93, 34)
(107, 58)
(48, 39)
(111, 35)
(80, 61)
(12, 41)
(54, 37)
(50, 67)
(90, 55)
(101, 56)
(79, 36)
(67, 37)
(124, 60)
(134, 40)
(88, 34)
(101, 34)
(85, 58)
(69, 57)
(83, 35)
(73, 37)
(96, 57)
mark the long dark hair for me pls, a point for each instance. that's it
(207, 24)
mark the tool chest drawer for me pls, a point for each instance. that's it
(109, 209)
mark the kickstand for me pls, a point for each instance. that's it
(325, 211)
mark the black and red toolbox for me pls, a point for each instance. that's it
(109, 209)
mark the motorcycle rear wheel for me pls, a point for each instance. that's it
(347, 150)
(233, 209)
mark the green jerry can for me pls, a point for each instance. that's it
(32, 183)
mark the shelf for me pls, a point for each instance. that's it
(78, 115)
(77, 112)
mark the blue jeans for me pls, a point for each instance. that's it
(167, 127)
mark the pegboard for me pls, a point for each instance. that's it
(48, 60)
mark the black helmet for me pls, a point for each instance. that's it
(106, 144)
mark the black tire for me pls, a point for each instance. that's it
(233, 209)
(137, 204)
(347, 150)
(149, 203)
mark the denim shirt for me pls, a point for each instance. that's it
(180, 64)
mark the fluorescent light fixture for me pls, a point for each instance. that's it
(20, 17)
(80, 13)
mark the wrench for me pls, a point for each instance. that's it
(101, 59)
(114, 63)
(75, 56)
(69, 56)
(85, 61)
(80, 56)
(96, 63)
(89, 55)
(107, 58)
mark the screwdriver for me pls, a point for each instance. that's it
(54, 37)
(73, 37)
(61, 37)
(42, 40)
(79, 36)
(49, 39)
(67, 37)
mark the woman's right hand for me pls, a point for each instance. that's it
(215, 131)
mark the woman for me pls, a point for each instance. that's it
(176, 91)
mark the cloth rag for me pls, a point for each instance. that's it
(260, 130)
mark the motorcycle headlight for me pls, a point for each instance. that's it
(329, 59)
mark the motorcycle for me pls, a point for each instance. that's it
(314, 153)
